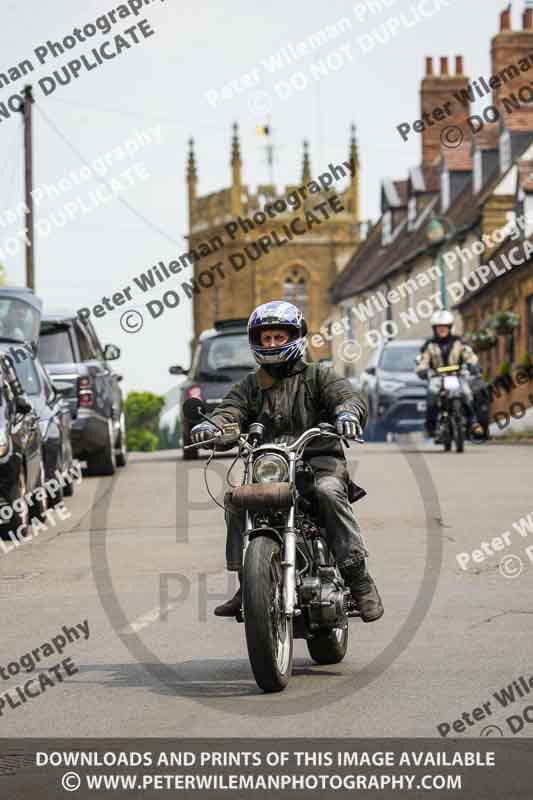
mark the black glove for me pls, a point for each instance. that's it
(348, 425)
(200, 433)
(423, 374)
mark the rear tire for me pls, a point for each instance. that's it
(104, 462)
(329, 647)
(268, 631)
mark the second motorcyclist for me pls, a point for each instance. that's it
(442, 350)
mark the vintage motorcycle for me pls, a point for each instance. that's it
(292, 587)
(451, 420)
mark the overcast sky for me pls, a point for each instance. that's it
(162, 84)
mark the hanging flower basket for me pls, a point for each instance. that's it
(504, 322)
(483, 340)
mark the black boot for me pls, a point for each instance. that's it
(364, 592)
(231, 607)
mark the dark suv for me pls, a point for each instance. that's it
(395, 395)
(72, 353)
(222, 357)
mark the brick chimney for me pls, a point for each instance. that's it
(507, 48)
(435, 90)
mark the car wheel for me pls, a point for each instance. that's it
(57, 496)
(19, 521)
(122, 447)
(104, 462)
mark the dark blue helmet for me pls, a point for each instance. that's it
(277, 314)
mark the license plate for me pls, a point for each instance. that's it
(421, 405)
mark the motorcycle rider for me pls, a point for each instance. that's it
(445, 349)
(280, 396)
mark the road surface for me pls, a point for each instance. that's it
(141, 559)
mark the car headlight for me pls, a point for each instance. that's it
(270, 468)
(4, 444)
(390, 386)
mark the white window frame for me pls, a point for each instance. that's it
(445, 193)
(505, 151)
(412, 212)
(477, 183)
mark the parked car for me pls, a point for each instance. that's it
(73, 355)
(21, 450)
(55, 418)
(221, 358)
(396, 397)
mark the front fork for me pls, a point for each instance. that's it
(289, 551)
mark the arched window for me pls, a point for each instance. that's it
(295, 290)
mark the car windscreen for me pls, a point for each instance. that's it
(55, 346)
(18, 320)
(229, 355)
(27, 375)
(398, 359)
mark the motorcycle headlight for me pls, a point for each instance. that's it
(270, 468)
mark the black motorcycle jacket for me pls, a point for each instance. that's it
(289, 405)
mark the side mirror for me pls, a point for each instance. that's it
(193, 409)
(370, 370)
(111, 352)
(177, 370)
(23, 405)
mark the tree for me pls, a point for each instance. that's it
(142, 410)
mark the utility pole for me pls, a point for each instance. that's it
(28, 186)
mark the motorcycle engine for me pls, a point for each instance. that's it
(324, 598)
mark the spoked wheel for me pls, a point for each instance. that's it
(268, 631)
(329, 647)
(446, 433)
(458, 430)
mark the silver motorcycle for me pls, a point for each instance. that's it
(292, 587)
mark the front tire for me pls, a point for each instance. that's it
(329, 647)
(189, 455)
(458, 426)
(268, 631)
(122, 447)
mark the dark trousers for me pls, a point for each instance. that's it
(343, 534)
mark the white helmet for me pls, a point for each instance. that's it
(442, 317)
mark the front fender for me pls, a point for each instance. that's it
(269, 533)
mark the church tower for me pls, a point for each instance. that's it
(249, 247)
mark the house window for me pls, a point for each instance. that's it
(505, 151)
(478, 172)
(445, 190)
(528, 215)
(386, 228)
(411, 213)
(295, 291)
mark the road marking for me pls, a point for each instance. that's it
(147, 619)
